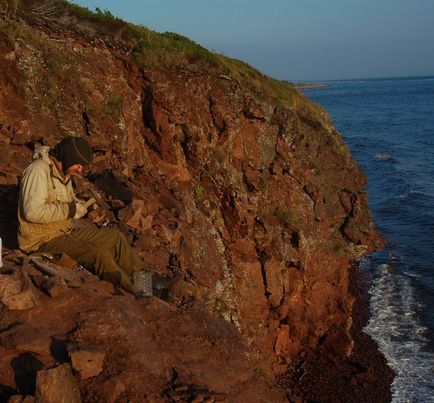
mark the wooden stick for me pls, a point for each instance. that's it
(91, 201)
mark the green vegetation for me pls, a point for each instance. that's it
(261, 371)
(262, 185)
(153, 49)
(168, 49)
(283, 215)
(9, 6)
(104, 16)
(113, 104)
(219, 155)
(198, 193)
(364, 203)
(336, 245)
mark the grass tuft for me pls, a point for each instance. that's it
(283, 215)
(198, 193)
(113, 105)
(153, 49)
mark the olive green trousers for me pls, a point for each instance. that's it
(105, 252)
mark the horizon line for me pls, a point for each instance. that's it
(363, 78)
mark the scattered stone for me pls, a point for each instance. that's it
(87, 361)
(27, 339)
(53, 286)
(51, 269)
(17, 292)
(134, 216)
(57, 385)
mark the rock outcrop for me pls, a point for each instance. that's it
(255, 202)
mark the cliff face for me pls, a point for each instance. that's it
(257, 203)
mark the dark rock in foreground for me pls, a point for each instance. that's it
(151, 350)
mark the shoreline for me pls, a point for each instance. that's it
(309, 86)
(327, 375)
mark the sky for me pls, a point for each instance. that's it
(299, 40)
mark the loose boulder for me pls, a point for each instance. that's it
(57, 385)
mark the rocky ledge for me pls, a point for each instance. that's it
(251, 197)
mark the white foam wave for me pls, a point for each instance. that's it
(395, 327)
(419, 193)
(415, 193)
(384, 157)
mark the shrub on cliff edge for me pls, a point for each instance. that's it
(151, 49)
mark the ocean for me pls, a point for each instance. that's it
(388, 124)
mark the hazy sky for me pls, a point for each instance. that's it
(299, 39)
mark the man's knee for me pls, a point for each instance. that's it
(96, 260)
(114, 234)
(106, 267)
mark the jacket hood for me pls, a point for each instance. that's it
(42, 152)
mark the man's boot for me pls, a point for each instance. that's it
(142, 281)
(160, 287)
(151, 284)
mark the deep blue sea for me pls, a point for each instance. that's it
(388, 125)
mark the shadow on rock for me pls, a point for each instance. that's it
(58, 350)
(111, 185)
(8, 215)
(5, 393)
(25, 367)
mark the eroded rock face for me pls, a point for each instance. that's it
(261, 208)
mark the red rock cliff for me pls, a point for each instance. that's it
(255, 201)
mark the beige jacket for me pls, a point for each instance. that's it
(45, 204)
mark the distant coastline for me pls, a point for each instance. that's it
(306, 86)
(327, 83)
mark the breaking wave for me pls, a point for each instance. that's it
(388, 126)
(394, 325)
(415, 194)
(384, 157)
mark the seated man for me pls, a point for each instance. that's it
(46, 206)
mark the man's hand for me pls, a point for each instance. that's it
(80, 210)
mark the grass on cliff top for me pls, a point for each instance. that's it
(150, 48)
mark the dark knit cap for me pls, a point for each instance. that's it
(73, 150)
